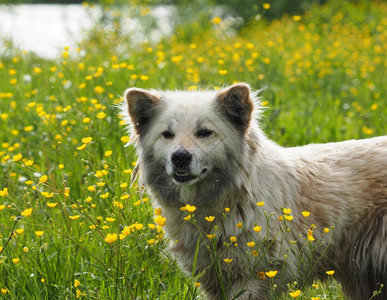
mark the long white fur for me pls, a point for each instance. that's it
(342, 184)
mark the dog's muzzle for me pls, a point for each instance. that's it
(181, 160)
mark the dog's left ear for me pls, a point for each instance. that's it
(141, 108)
(237, 105)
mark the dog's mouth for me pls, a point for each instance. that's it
(186, 177)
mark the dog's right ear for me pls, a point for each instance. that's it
(141, 108)
(237, 105)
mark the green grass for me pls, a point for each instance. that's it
(325, 78)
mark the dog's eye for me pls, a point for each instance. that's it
(203, 133)
(167, 134)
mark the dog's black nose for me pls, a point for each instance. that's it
(181, 158)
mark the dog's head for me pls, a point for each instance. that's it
(184, 137)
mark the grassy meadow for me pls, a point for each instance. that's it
(72, 226)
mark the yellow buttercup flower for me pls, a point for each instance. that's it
(257, 228)
(210, 218)
(287, 211)
(330, 273)
(111, 238)
(250, 244)
(17, 157)
(261, 203)
(27, 212)
(76, 283)
(160, 220)
(228, 260)
(189, 208)
(271, 274)
(217, 20)
(125, 139)
(305, 214)
(295, 294)
(289, 218)
(87, 140)
(16, 260)
(43, 179)
(39, 233)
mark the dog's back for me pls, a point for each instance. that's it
(347, 185)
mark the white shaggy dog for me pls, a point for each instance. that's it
(205, 149)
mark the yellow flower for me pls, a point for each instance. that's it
(2, 206)
(47, 194)
(111, 238)
(271, 274)
(250, 244)
(261, 203)
(160, 220)
(43, 179)
(233, 239)
(76, 217)
(101, 115)
(91, 188)
(125, 139)
(108, 153)
(189, 208)
(4, 291)
(98, 89)
(138, 226)
(217, 20)
(16, 260)
(228, 260)
(330, 273)
(151, 241)
(52, 204)
(86, 120)
(197, 284)
(227, 209)
(261, 275)
(188, 217)
(287, 211)
(326, 230)
(315, 298)
(210, 218)
(87, 140)
(76, 283)
(257, 228)
(222, 72)
(17, 157)
(239, 225)
(296, 18)
(310, 236)
(295, 294)
(29, 163)
(39, 233)
(210, 236)
(25, 249)
(266, 6)
(289, 218)
(4, 192)
(27, 212)
(306, 214)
